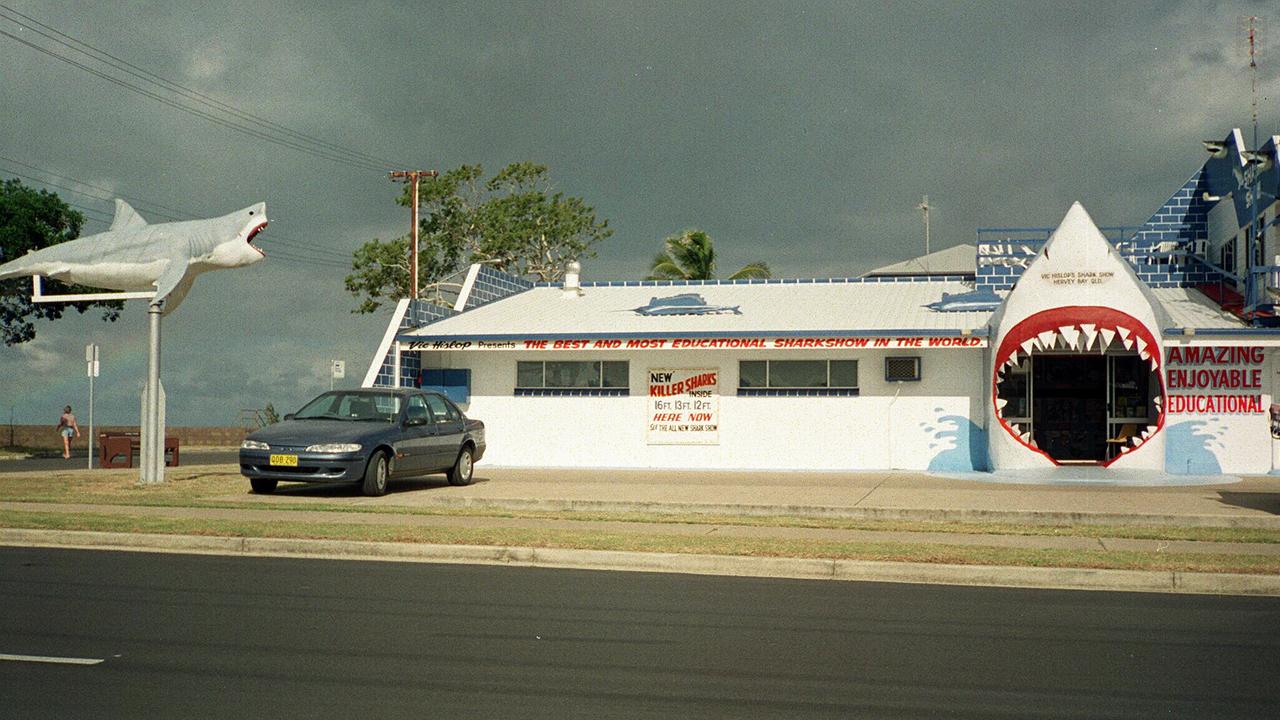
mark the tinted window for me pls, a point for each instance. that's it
(753, 373)
(418, 409)
(615, 374)
(529, 374)
(438, 407)
(798, 373)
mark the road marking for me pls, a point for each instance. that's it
(46, 659)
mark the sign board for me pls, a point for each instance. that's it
(816, 342)
(684, 406)
(91, 359)
(1216, 380)
(339, 369)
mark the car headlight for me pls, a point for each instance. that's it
(334, 448)
(254, 445)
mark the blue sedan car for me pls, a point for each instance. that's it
(368, 437)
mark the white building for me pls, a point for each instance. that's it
(1127, 353)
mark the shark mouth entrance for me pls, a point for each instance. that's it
(1079, 384)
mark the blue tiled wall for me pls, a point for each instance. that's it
(420, 313)
(1183, 219)
(493, 285)
(490, 285)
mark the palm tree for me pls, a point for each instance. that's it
(690, 256)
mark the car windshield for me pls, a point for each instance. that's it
(352, 406)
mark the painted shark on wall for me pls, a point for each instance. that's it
(1077, 296)
(135, 256)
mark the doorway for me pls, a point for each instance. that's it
(1069, 404)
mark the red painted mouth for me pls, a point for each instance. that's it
(254, 233)
(1078, 330)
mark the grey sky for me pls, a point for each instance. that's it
(801, 134)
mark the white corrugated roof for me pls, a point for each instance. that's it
(957, 260)
(1188, 307)
(807, 306)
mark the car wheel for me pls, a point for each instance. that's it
(460, 473)
(263, 486)
(375, 475)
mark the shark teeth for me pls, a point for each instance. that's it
(1071, 335)
(1107, 336)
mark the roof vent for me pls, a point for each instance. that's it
(572, 280)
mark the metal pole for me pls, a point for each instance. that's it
(91, 415)
(153, 469)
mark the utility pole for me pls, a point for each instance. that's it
(413, 176)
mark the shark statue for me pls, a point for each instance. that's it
(136, 256)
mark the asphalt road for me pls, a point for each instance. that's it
(209, 637)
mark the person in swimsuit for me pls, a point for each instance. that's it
(67, 428)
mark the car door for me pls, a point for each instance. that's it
(448, 438)
(416, 450)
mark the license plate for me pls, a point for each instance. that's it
(285, 460)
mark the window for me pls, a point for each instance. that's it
(441, 409)
(1229, 256)
(902, 369)
(417, 410)
(572, 377)
(798, 377)
(453, 383)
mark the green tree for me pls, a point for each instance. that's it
(29, 220)
(691, 256)
(513, 222)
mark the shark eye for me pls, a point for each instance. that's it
(250, 212)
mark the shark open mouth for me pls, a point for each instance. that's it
(254, 233)
(1078, 331)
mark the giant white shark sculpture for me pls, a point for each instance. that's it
(135, 256)
(1077, 296)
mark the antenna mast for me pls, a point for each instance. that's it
(1254, 22)
(924, 208)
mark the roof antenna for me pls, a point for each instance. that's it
(924, 208)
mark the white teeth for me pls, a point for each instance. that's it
(1090, 334)
(1151, 430)
(1142, 349)
(1159, 401)
(1047, 338)
(1000, 403)
(1029, 345)
(1071, 335)
(1136, 440)
(1107, 336)
(1026, 438)
(1125, 334)
(1155, 364)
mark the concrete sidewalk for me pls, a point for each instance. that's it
(1250, 502)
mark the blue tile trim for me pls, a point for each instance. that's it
(767, 281)
(887, 332)
(572, 392)
(797, 392)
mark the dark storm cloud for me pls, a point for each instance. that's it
(801, 134)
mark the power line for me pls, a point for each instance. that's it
(364, 165)
(144, 74)
(179, 216)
